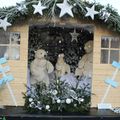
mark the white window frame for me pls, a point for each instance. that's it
(10, 45)
(109, 48)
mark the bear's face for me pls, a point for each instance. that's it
(61, 55)
(89, 47)
(40, 54)
(60, 58)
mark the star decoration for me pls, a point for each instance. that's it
(91, 12)
(39, 8)
(65, 8)
(4, 24)
(74, 36)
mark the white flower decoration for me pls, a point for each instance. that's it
(68, 101)
(54, 92)
(75, 105)
(30, 99)
(47, 107)
(32, 105)
(58, 101)
(39, 102)
(80, 100)
(40, 108)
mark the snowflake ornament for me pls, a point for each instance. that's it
(104, 15)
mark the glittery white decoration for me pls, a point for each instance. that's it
(4, 24)
(66, 8)
(91, 12)
(104, 15)
(39, 8)
(21, 7)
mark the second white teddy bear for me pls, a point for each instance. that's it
(61, 67)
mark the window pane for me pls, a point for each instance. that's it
(115, 43)
(105, 42)
(4, 37)
(114, 55)
(104, 56)
(2, 51)
(12, 53)
(15, 38)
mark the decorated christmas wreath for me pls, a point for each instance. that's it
(57, 97)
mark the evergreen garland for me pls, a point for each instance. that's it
(79, 11)
(57, 97)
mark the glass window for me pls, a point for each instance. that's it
(115, 43)
(110, 49)
(4, 38)
(105, 43)
(10, 45)
(114, 55)
(104, 56)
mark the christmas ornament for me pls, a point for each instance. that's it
(47, 107)
(74, 36)
(80, 99)
(104, 15)
(68, 101)
(32, 105)
(30, 99)
(4, 24)
(66, 8)
(58, 101)
(91, 12)
(39, 8)
(54, 92)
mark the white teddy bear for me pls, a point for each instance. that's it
(86, 63)
(40, 68)
(61, 67)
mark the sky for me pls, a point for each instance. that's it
(114, 3)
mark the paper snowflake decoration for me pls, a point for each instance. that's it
(104, 15)
(39, 8)
(66, 8)
(91, 12)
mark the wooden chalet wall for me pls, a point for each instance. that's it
(18, 69)
(103, 71)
